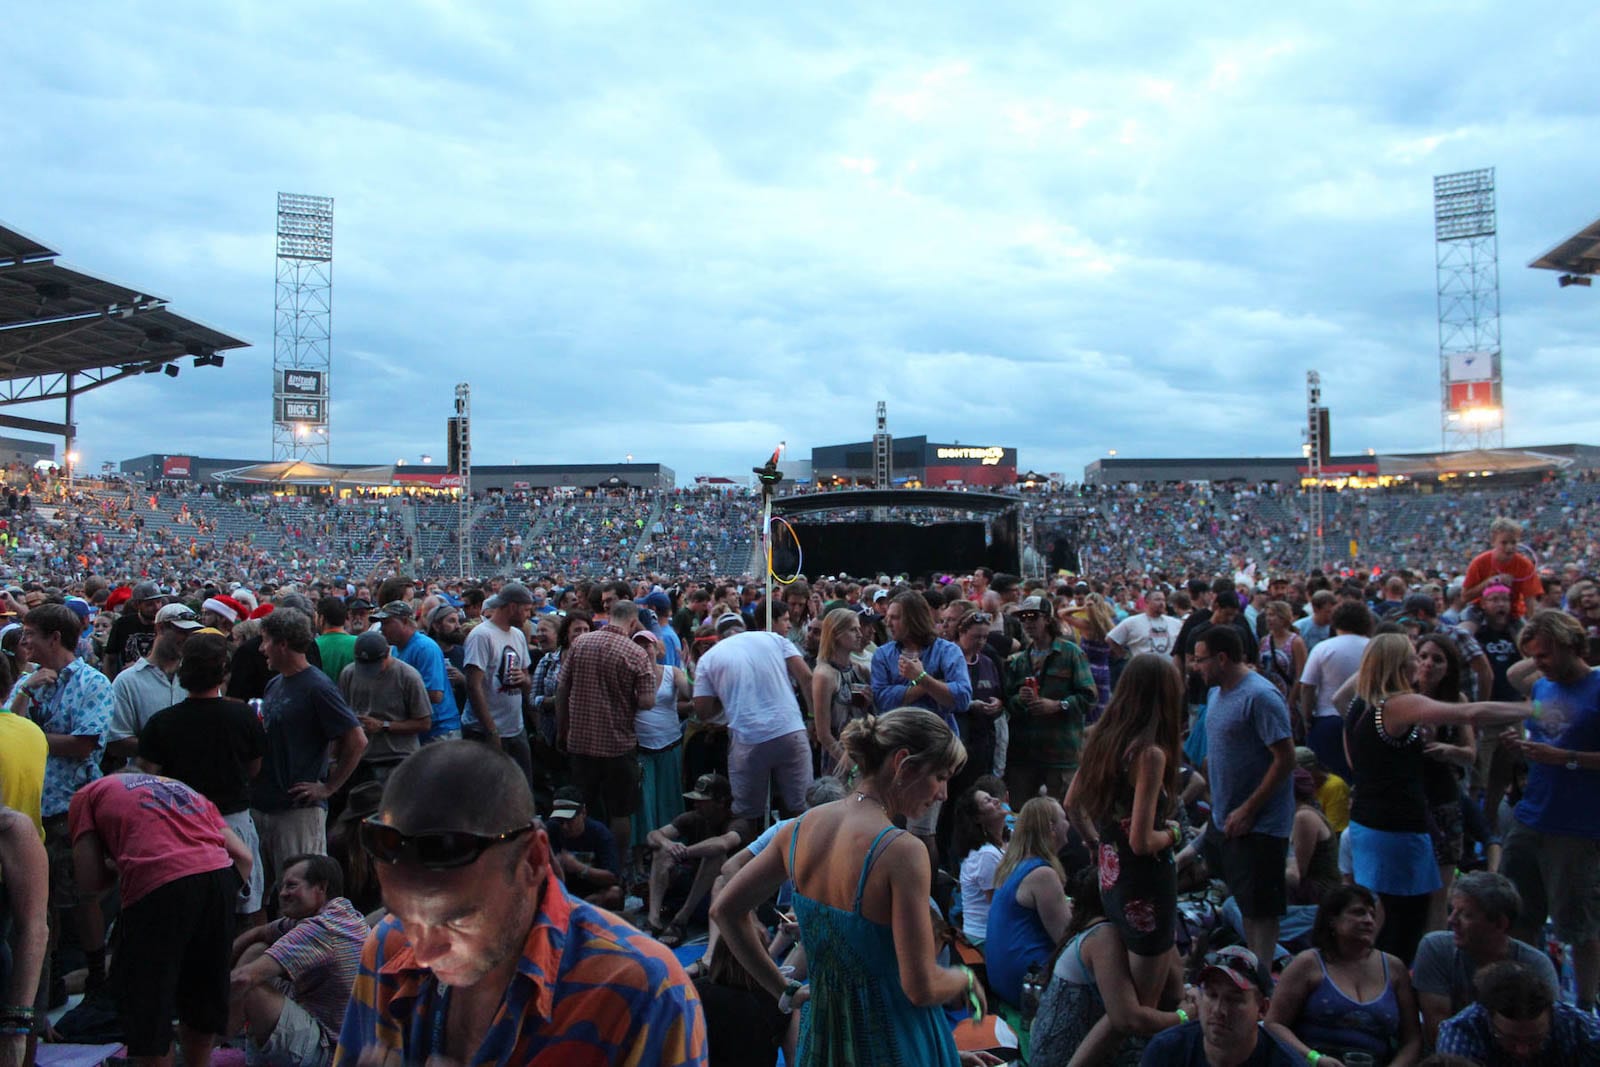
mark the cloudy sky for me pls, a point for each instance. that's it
(685, 232)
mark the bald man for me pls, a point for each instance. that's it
(474, 901)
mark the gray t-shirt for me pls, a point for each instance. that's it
(1445, 970)
(1240, 725)
(485, 649)
(394, 694)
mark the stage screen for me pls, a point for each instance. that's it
(862, 548)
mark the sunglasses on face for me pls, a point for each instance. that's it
(437, 850)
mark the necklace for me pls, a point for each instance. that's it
(860, 796)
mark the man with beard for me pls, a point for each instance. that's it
(149, 684)
(1497, 634)
(135, 629)
(448, 629)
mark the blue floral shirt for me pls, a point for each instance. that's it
(78, 703)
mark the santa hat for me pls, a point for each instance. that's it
(262, 612)
(119, 596)
(225, 606)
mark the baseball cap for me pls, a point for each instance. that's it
(1239, 965)
(728, 620)
(371, 649)
(514, 593)
(357, 603)
(882, 594)
(394, 609)
(657, 601)
(147, 591)
(1031, 605)
(710, 787)
(180, 616)
(568, 803)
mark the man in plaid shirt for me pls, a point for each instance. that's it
(606, 680)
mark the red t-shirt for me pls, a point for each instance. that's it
(156, 829)
(1525, 583)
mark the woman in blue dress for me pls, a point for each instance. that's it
(861, 894)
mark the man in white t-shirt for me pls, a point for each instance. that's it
(1153, 631)
(496, 656)
(1330, 665)
(753, 676)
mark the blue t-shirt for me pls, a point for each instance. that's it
(303, 712)
(596, 839)
(1184, 1046)
(1556, 800)
(423, 653)
(1240, 723)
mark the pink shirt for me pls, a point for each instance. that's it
(156, 829)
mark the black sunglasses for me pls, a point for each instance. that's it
(437, 850)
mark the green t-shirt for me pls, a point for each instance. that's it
(338, 652)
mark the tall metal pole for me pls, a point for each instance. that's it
(1315, 446)
(71, 438)
(464, 502)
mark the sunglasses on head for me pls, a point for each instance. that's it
(437, 850)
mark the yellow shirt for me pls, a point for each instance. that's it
(1334, 796)
(22, 754)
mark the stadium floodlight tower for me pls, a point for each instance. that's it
(303, 328)
(1467, 263)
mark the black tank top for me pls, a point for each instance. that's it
(1388, 792)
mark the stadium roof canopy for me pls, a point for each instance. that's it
(1473, 461)
(1576, 258)
(304, 472)
(63, 332)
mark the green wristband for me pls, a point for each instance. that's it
(1312, 1057)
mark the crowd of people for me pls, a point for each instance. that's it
(1183, 808)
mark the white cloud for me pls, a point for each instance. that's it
(688, 233)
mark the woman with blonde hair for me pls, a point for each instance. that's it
(838, 694)
(1122, 801)
(876, 988)
(1283, 650)
(1029, 914)
(1092, 623)
(1384, 741)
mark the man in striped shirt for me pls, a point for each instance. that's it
(314, 949)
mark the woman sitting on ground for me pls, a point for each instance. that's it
(977, 846)
(1314, 856)
(1343, 994)
(1091, 1005)
(1028, 916)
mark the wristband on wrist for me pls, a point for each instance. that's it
(972, 995)
(1312, 1057)
(786, 1000)
(918, 679)
(1183, 1016)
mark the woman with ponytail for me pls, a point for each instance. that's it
(861, 890)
